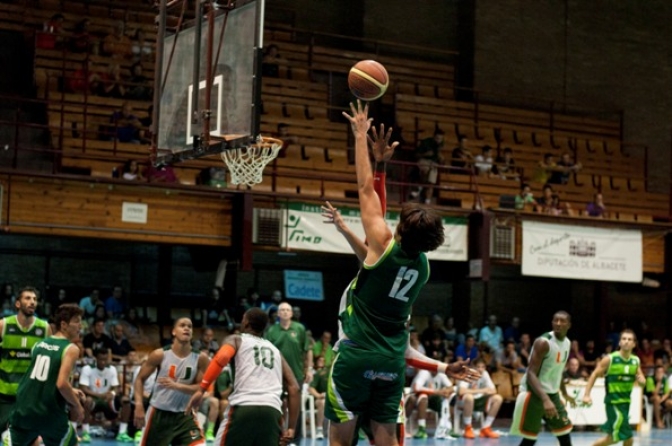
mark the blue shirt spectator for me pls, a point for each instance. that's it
(89, 303)
(492, 335)
(513, 331)
(468, 350)
(114, 307)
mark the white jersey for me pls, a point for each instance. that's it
(257, 374)
(182, 370)
(484, 382)
(99, 381)
(425, 379)
(553, 364)
(148, 386)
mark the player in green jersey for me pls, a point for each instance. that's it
(45, 388)
(20, 333)
(367, 376)
(621, 369)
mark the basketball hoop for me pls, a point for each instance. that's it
(246, 164)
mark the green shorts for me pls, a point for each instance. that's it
(109, 409)
(434, 403)
(63, 435)
(250, 426)
(364, 382)
(529, 412)
(6, 405)
(165, 428)
(364, 424)
(618, 425)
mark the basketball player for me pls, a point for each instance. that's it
(45, 388)
(433, 391)
(621, 369)
(367, 376)
(20, 333)
(254, 416)
(180, 371)
(538, 398)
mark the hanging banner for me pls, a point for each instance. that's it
(305, 229)
(581, 252)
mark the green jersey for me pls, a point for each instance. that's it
(620, 378)
(38, 400)
(380, 298)
(293, 345)
(16, 345)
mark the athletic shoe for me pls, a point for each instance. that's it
(487, 432)
(138, 437)
(319, 435)
(85, 438)
(442, 434)
(469, 433)
(210, 437)
(124, 438)
(421, 433)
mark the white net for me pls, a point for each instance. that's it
(246, 164)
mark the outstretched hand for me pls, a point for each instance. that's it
(460, 370)
(359, 120)
(331, 214)
(380, 144)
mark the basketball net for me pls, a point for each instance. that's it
(246, 164)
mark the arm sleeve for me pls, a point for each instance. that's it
(218, 363)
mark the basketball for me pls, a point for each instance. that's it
(368, 80)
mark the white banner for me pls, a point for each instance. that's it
(305, 229)
(581, 252)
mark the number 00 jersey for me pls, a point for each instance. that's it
(380, 300)
(257, 374)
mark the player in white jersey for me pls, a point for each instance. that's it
(479, 396)
(539, 389)
(432, 390)
(180, 370)
(259, 371)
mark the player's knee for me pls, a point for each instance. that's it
(497, 398)
(468, 397)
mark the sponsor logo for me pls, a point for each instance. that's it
(383, 376)
(50, 347)
(39, 332)
(582, 248)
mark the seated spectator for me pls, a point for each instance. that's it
(428, 156)
(505, 166)
(561, 207)
(479, 396)
(112, 84)
(492, 335)
(507, 359)
(323, 349)
(126, 124)
(645, 355)
(467, 350)
(483, 162)
(214, 312)
(434, 328)
(563, 170)
(162, 174)
(120, 347)
(100, 384)
(663, 352)
(512, 332)
(451, 333)
(432, 390)
(270, 60)
(206, 343)
(89, 303)
(546, 205)
(524, 200)
(590, 356)
(461, 155)
(574, 371)
(608, 349)
(658, 392)
(97, 340)
(140, 48)
(437, 348)
(524, 349)
(132, 171)
(597, 208)
(139, 88)
(85, 79)
(116, 44)
(52, 33)
(544, 170)
(318, 389)
(114, 305)
(575, 351)
(81, 41)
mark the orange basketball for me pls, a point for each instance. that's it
(368, 80)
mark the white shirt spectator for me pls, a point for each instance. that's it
(484, 382)
(99, 381)
(425, 380)
(493, 338)
(483, 164)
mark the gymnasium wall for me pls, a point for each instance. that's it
(613, 55)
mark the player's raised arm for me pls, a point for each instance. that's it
(146, 369)
(331, 214)
(377, 232)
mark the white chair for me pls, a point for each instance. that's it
(457, 416)
(306, 397)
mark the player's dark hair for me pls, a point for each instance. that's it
(99, 352)
(179, 319)
(257, 318)
(28, 289)
(563, 313)
(65, 313)
(627, 330)
(420, 229)
(469, 336)
(98, 319)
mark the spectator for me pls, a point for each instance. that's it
(432, 390)
(525, 200)
(126, 124)
(81, 39)
(467, 350)
(97, 339)
(664, 352)
(574, 371)
(114, 305)
(590, 356)
(479, 396)
(214, 311)
(492, 335)
(116, 44)
(318, 389)
(608, 349)
(85, 79)
(276, 299)
(270, 62)
(575, 351)
(437, 348)
(524, 349)
(597, 208)
(505, 166)
(120, 347)
(546, 205)
(161, 174)
(139, 88)
(645, 354)
(428, 156)
(512, 332)
(134, 330)
(323, 349)
(563, 169)
(561, 208)
(253, 298)
(206, 343)
(296, 317)
(8, 293)
(507, 359)
(451, 333)
(140, 48)
(52, 33)
(483, 162)
(90, 302)
(435, 328)
(112, 83)
(544, 169)
(613, 334)
(461, 155)
(132, 171)
(657, 390)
